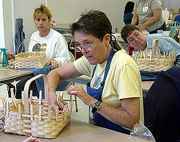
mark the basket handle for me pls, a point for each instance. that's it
(26, 90)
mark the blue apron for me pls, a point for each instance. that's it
(98, 119)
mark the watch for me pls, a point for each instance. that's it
(97, 106)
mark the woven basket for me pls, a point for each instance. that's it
(152, 60)
(29, 60)
(32, 116)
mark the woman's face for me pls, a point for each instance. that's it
(42, 23)
(92, 48)
(137, 40)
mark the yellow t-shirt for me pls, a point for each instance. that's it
(123, 79)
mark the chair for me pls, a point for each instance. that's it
(162, 107)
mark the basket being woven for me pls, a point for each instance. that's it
(29, 60)
(152, 60)
(33, 116)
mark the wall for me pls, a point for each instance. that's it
(8, 31)
(175, 4)
(2, 41)
(66, 11)
(24, 9)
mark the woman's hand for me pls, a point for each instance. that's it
(53, 104)
(31, 139)
(80, 92)
(53, 63)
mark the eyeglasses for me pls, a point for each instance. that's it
(84, 45)
(132, 36)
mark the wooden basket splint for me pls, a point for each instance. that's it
(29, 60)
(32, 116)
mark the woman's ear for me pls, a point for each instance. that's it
(106, 39)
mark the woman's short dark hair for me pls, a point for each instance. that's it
(129, 7)
(126, 30)
(93, 22)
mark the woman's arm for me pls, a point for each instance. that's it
(127, 114)
(153, 19)
(54, 79)
(135, 18)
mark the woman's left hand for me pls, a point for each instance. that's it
(80, 92)
(53, 63)
(31, 139)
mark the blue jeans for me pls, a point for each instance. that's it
(40, 81)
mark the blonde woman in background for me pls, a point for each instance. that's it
(48, 40)
(55, 45)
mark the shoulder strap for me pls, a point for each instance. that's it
(113, 51)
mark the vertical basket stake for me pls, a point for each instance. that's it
(31, 105)
(40, 104)
(13, 97)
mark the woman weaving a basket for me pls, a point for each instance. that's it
(140, 41)
(167, 48)
(115, 100)
(49, 41)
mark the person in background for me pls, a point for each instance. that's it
(49, 41)
(128, 12)
(128, 15)
(148, 15)
(140, 41)
(116, 101)
(177, 18)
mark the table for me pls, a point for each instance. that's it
(9, 75)
(79, 131)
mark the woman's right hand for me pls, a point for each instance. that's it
(53, 104)
(52, 101)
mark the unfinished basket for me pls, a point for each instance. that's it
(29, 60)
(152, 60)
(33, 116)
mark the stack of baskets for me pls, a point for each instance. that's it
(33, 116)
(29, 60)
(152, 60)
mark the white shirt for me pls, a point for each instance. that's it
(56, 45)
